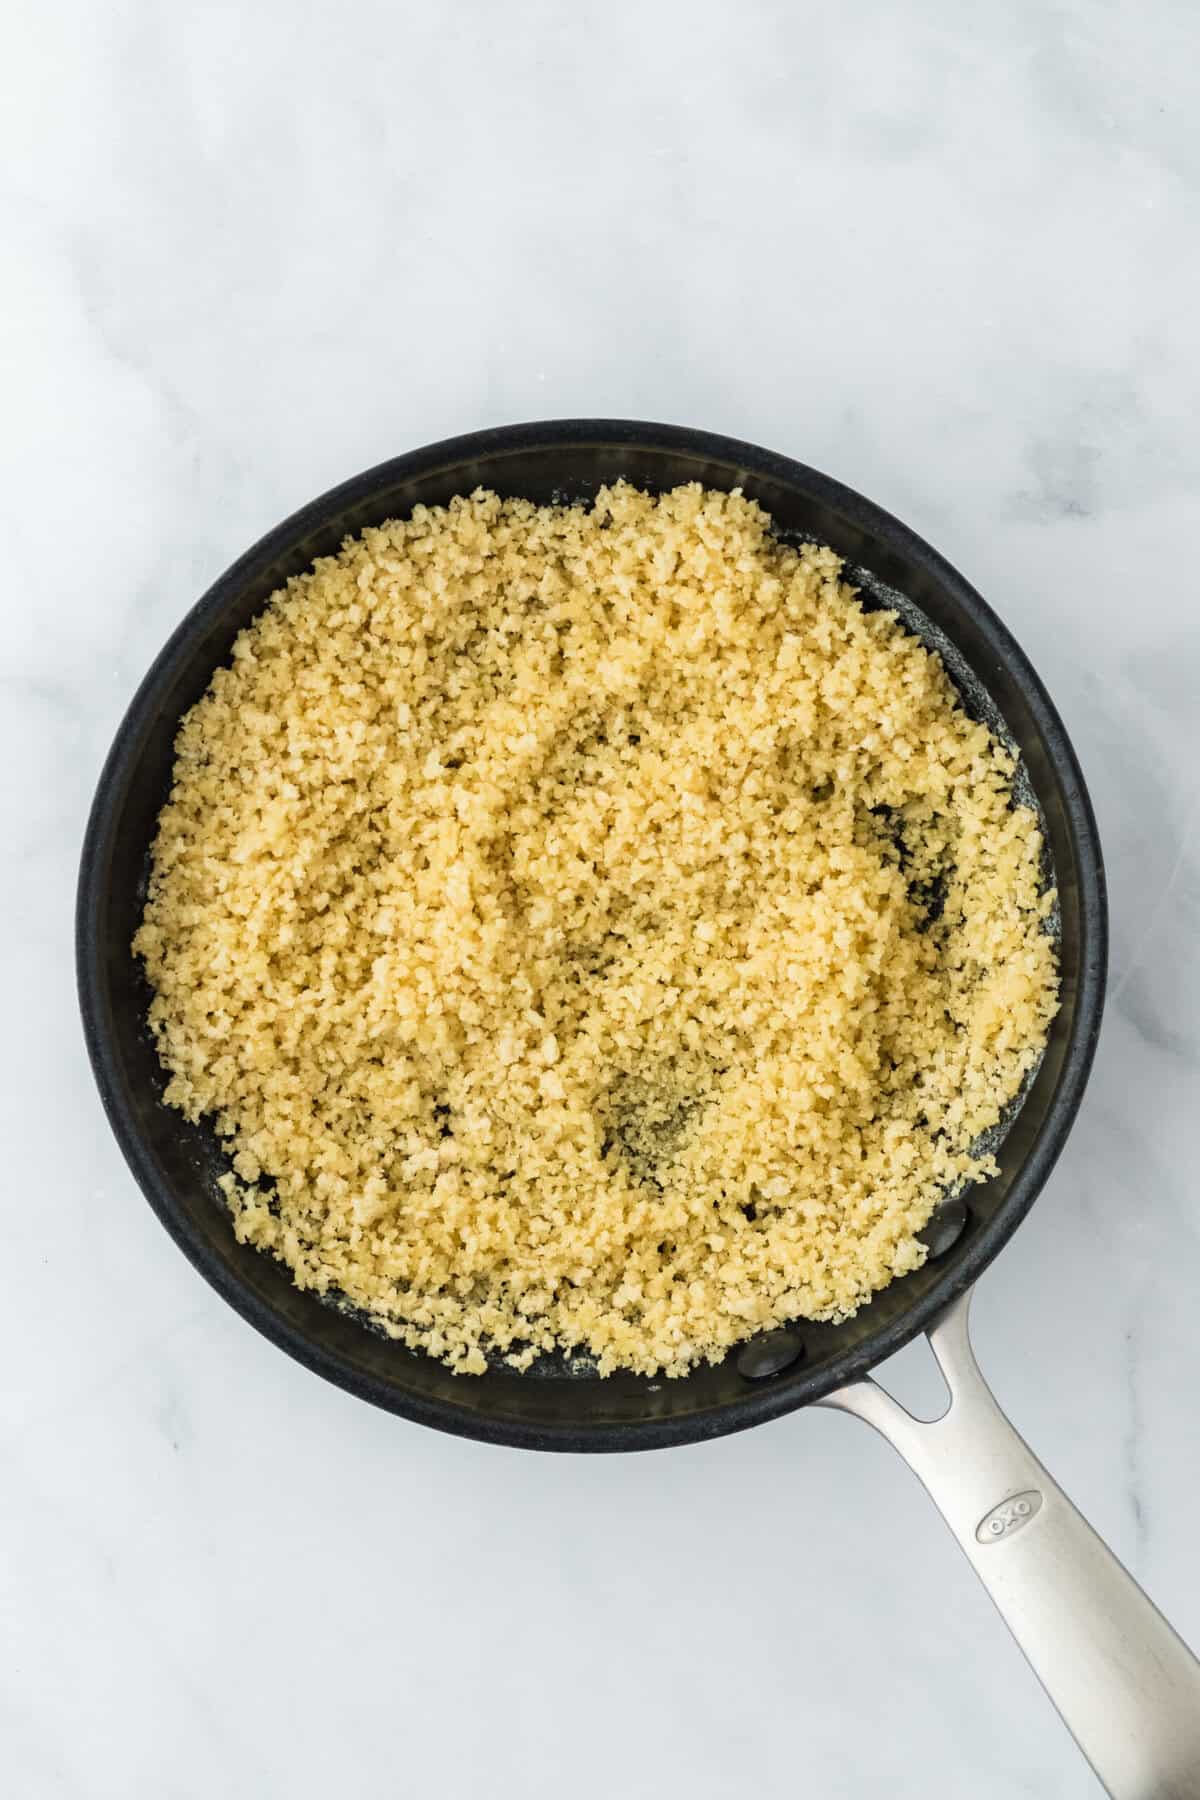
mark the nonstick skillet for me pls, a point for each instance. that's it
(1124, 1682)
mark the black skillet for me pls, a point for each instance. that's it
(1128, 1688)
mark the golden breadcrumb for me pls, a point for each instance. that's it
(591, 930)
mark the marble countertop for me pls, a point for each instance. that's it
(947, 254)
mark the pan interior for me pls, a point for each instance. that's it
(560, 1402)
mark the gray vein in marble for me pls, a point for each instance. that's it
(1133, 1443)
(1152, 923)
(217, 1719)
(89, 1397)
(1133, 1004)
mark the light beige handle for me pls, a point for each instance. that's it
(1126, 1684)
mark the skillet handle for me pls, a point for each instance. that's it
(1126, 1685)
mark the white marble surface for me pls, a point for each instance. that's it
(947, 253)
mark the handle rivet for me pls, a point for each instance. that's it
(769, 1354)
(944, 1229)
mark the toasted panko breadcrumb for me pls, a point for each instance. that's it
(591, 930)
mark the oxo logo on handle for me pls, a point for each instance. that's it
(1008, 1517)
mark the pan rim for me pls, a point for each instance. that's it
(760, 1403)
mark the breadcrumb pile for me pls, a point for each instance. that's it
(591, 931)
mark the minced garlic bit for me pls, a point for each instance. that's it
(591, 930)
